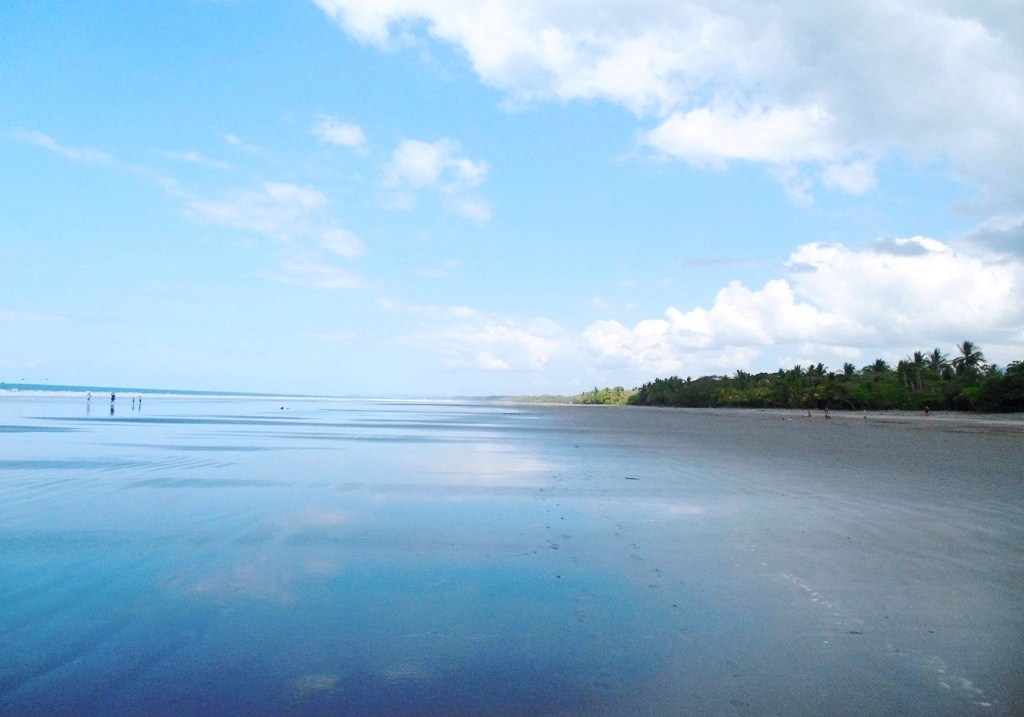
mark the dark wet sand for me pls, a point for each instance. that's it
(883, 552)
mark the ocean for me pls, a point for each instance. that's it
(195, 554)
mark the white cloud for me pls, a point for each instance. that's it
(341, 242)
(713, 136)
(489, 362)
(854, 177)
(831, 87)
(798, 187)
(894, 295)
(29, 316)
(95, 157)
(275, 208)
(85, 155)
(436, 165)
(291, 214)
(239, 144)
(913, 288)
(470, 207)
(419, 164)
(330, 130)
(294, 216)
(471, 339)
(315, 274)
(194, 157)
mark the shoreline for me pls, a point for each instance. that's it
(893, 416)
(937, 419)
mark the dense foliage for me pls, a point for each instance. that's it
(919, 382)
(613, 396)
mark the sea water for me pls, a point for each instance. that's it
(262, 556)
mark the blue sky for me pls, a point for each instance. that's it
(411, 197)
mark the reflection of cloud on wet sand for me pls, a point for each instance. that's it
(408, 672)
(480, 464)
(258, 580)
(310, 685)
(305, 520)
(273, 574)
(270, 579)
(669, 508)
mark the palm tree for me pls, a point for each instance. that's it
(903, 368)
(742, 379)
(938, 362)
(875, 371)
(879, 366)
(970, 359)
(917, 363)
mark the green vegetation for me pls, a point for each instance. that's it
(922, 380)
(617, 396)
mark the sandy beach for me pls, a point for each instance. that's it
(367, 558)
(899, 538)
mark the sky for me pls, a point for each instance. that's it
(493, 197)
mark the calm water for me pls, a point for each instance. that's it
(260, 557)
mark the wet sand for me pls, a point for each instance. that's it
(239, 557)
(884, 553)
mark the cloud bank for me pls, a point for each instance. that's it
(824, 89)
(476, 340)
(837, 302)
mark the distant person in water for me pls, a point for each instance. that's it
(112, 397)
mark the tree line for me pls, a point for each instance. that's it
(922, 381)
